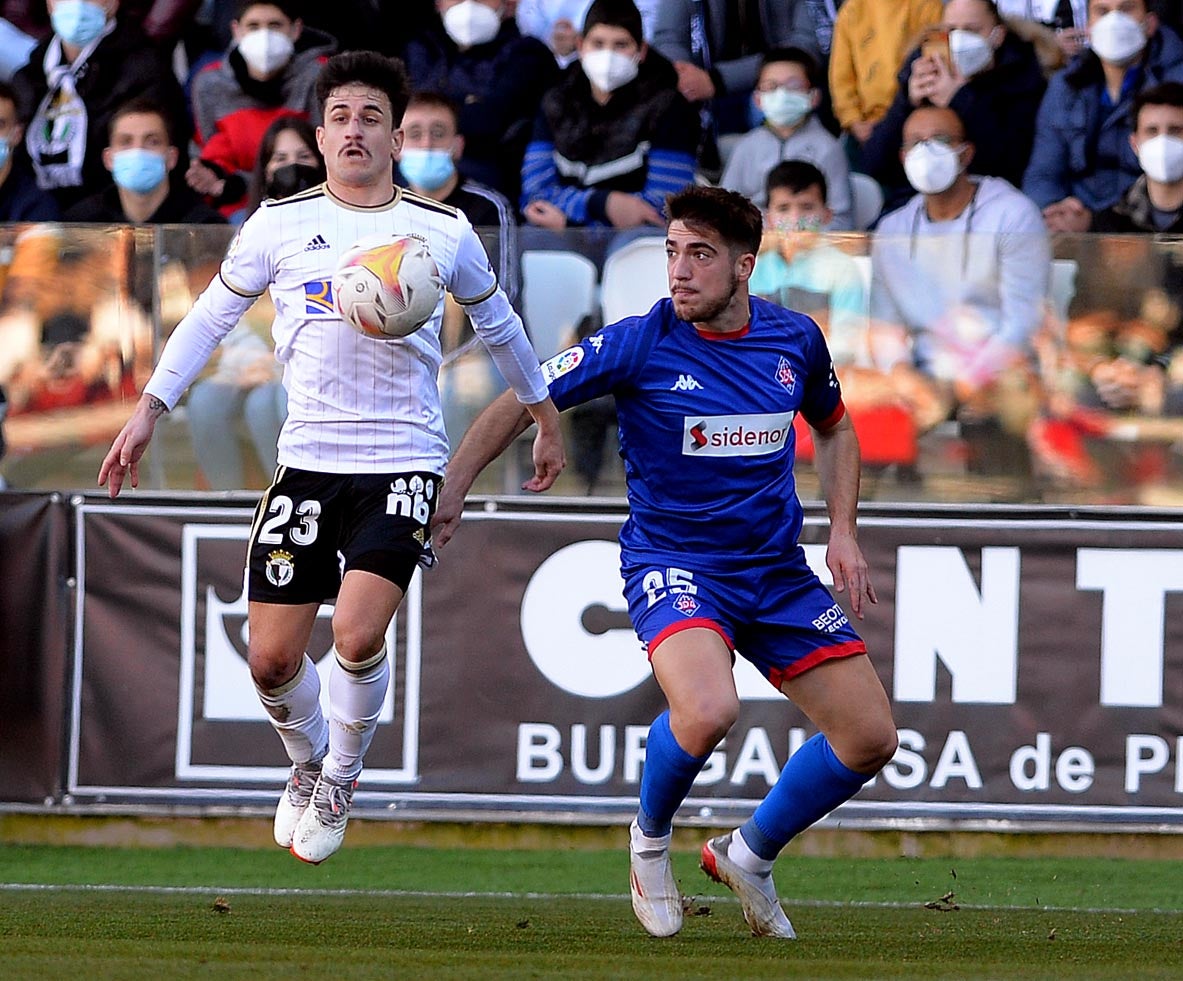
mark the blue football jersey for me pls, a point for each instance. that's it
(706, 427)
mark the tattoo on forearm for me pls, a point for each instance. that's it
(157, 406)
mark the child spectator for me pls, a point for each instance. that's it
(614, 137)
(800, 271)
(787, 93)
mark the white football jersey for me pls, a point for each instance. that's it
(355, 404)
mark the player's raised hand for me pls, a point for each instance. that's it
(850, 570)
(123, 458)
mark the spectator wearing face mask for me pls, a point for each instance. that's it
(428, 165)
(614, 137)
(787, 94)
(1154, 202)
(798, 269)
(1082, 161)
(478, 58)
(141, 156)
(959, 276)
(288, 163)
(991, 79)
(269, 70)
(92, 64)
(20, 197)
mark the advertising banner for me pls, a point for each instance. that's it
(1034, 661)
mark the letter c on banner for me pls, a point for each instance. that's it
(575, 578)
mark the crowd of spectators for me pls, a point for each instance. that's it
(989, 126)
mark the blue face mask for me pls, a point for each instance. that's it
(139, 171)
(78, 22)
(4, 149)
(428, 169)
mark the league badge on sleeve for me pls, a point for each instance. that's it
(562, 363)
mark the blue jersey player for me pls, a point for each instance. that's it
(707, 385)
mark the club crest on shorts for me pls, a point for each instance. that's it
(280, 568)
(686, 604)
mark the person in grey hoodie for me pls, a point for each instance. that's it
(788, 92)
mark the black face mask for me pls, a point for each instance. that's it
(292, 179)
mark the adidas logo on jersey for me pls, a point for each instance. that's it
(318, 242)
(686, 383)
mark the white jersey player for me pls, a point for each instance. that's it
(363, 449)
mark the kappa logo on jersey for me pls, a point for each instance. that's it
(784, 375)
(316, 244)
(280, 568)
(596, 341)
(562, 363)
(318, 297)
(748, 435)
(686, 604)
(686, 383)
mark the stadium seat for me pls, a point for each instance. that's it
(1062, 286)
(558, 290)
(867, 196)
(634, 279)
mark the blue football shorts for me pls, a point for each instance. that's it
(311, 528)
(778, 616)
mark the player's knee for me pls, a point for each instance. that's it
(272, 669)
(700, 726)
(357, 642)
(875, 748)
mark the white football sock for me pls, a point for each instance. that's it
(294, 709)
(743, 856)
(357, 693)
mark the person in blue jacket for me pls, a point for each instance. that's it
(1082, 161)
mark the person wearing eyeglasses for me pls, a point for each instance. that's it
(959, 275)
(788, 91)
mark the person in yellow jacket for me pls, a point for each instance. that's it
(871, 39)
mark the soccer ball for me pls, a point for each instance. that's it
(387, 287)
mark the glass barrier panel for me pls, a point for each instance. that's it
(975, 368)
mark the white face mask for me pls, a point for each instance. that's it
(1161, 158)
(784, 107)
(971, 53)
(1117, 38)
(609, 70)
(266, 51)
(469, 23)
(932, 167)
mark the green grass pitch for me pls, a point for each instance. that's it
(171, 914)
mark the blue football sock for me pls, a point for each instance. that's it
(812, 784)
(666, 780)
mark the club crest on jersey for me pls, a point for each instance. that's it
(686, 604)
(562, 363)
(784, 375)
(318, 297)
(280, 568)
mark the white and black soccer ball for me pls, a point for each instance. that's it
(387, 287)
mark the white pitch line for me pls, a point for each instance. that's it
(543, 896)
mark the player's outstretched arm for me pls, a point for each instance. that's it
(837, 455)
(491, 432)
(124, 455)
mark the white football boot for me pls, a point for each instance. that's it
(293, 802)
(757, 894)
(656, 899)
(322, 827)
